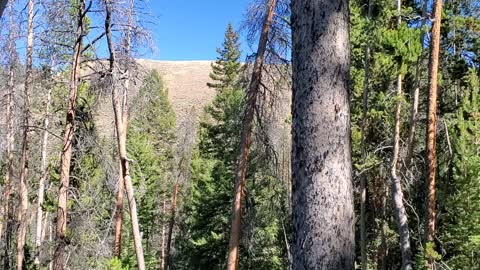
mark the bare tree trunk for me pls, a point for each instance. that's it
(122, 149)
(171, 223)
(66, 155)
(432, 125)
(246, 139)
(363, 184)
(323, 214)
(40, 227)
(121, 181)
(7, 211)
(396, 184)
(415, 95)
(23, 202)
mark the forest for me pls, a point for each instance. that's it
(348, 138)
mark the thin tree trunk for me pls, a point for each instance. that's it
(246, 140)
(171, 223)
(415, 95)
(40, 228)
(122, 149)
(66, 155)
(121, 181)
(7, 202)
(23, 198)
(162, 259)
(363, 184)
(432, 125)
(396, 185)
(323, 214)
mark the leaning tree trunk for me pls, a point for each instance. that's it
(432, 125)
(415, 95)
(66, 154)
(396, 185)
(323, 215)
(122, 149)
(23, 198)
(363, 184)
(121, 181)
(246, 140)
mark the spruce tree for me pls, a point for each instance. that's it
(226, 68)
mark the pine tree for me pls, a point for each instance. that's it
(226, 68)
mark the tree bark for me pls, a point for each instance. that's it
(23, 198)
(323, 214)
(415, 95)
(66, 154)
(246, 140)
(396, 184)
(121, 182)
(171, 223)
(40, 226)
(432, 125)
(363, 184)
(122, 149)
(7, 211)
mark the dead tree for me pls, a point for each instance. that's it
(246, 140)
(23, 202)
(122, 149)
(66, 154)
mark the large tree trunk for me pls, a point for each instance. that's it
(122, 149)
(66, 155)
(246, 140)
(23, 202)
(363, 184)
(432, 124)
(121, 181)
(415, 95)
(323, 215)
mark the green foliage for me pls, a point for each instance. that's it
(226, 68)
(150, 140)
(461, 231)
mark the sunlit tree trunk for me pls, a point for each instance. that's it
(432, 125)
(122, 149)
(323, 214)
(23, 192)
(121, 182)
(246, 140)
(66, 154)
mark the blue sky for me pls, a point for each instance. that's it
(193, 29)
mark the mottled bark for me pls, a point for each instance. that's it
(66, 154)
(23, 192)
(122, 149)
(323, 215)
(363, 184)
(432, 124)
(246, 140)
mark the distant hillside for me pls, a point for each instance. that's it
(187, 87)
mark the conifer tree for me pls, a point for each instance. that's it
(226, 68)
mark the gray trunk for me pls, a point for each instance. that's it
(323, 216)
